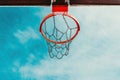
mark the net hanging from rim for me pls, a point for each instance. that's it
(59, 29)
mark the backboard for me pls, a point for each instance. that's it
(48, 2)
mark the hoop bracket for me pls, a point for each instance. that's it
(59, 8)
(60, 5)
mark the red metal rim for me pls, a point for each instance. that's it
(54, 14)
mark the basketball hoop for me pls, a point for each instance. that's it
(60, 32)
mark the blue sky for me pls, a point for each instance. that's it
(94, 54)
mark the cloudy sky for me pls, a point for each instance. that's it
(94, 53)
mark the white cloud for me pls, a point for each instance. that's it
(94, 54)
(26, 35)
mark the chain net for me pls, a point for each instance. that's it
(59, 28)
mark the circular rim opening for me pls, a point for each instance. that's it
(54, 14)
